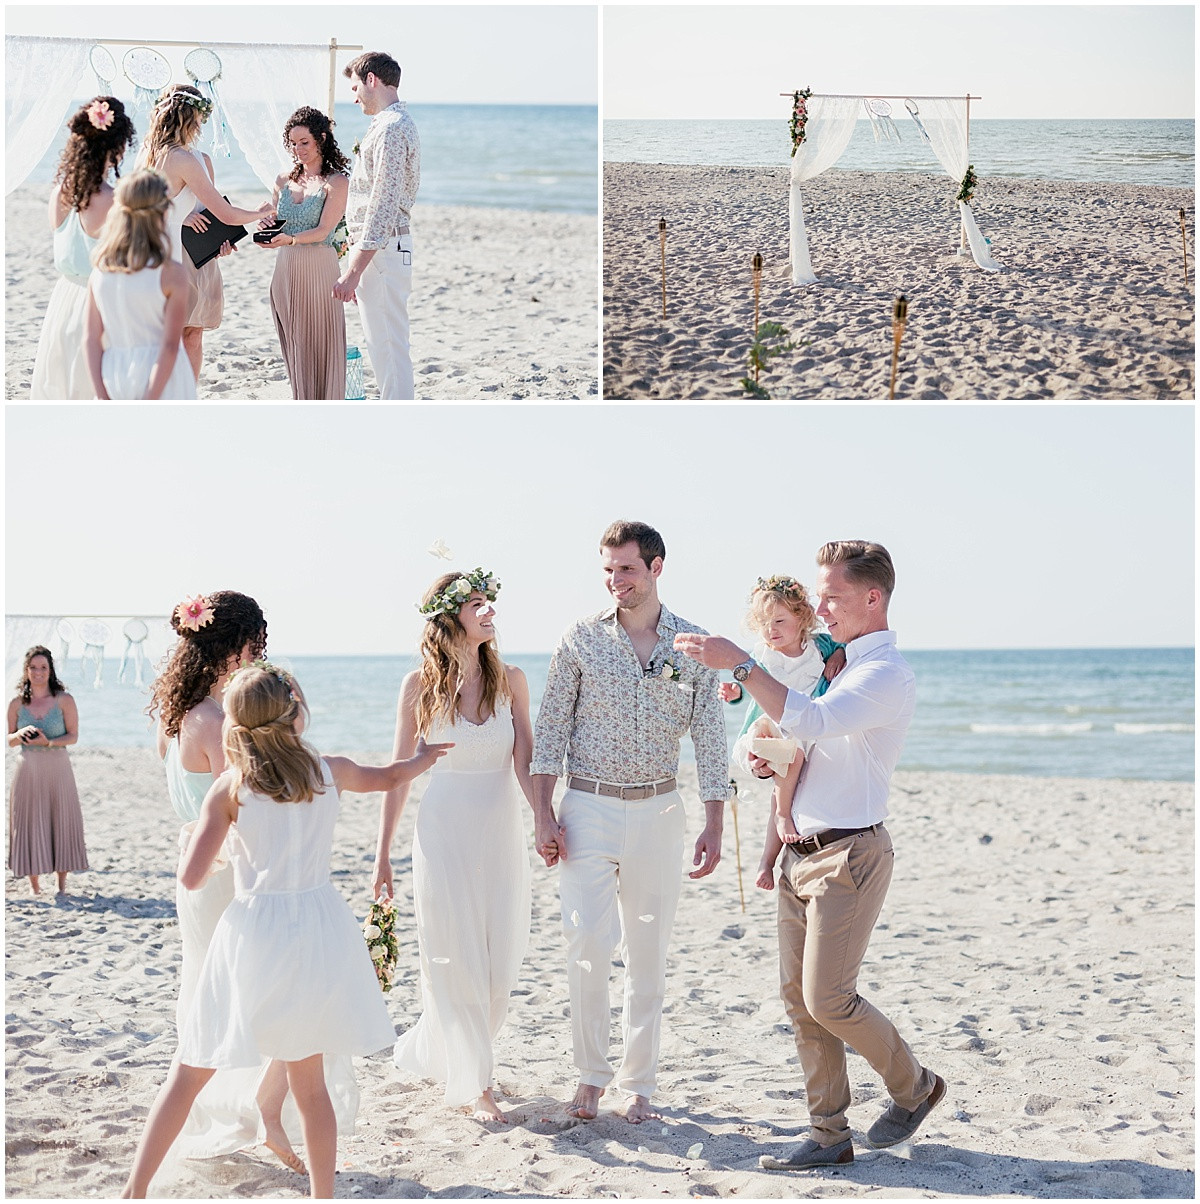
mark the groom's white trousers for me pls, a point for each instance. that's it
(382, 294)
(620, 881)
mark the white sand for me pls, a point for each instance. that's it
(1093, 303)
(1036, 950)
(503, 308)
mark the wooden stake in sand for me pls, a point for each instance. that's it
(1183, 227)
(737, 840)
(899, 317)
(756, 266)
(662, 241)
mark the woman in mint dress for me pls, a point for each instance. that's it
(311, 199)
(45, 832)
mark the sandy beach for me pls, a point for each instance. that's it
(1092, 304)
(503, 307)
(1036, 949)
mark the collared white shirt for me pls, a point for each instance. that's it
(385, 179)
(617, 722)
(857, 728)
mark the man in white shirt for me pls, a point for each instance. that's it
(834, 879)
(383, 187)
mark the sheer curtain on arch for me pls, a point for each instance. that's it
(33, 112)
(945, 121)
(830, 125)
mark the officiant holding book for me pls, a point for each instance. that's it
(383, 187)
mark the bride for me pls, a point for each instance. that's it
(470, 865)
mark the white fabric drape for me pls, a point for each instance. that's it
(261, 87)
(41, 75)
(829, 129)
(945, 122)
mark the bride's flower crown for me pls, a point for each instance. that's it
(451, 599)
(197, 102)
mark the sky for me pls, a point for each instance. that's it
(1023, 60)
(1010, 526)
(449, 54)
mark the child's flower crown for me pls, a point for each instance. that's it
(267, 667)
(780, 583)
(451, 599)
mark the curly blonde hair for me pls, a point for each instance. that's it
(787, 592)
(262, 747)
(446, 661)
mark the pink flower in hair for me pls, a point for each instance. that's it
(194, 613)
(100, 115)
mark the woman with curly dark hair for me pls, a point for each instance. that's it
(99, 134)
(45, 833)
(311, 199)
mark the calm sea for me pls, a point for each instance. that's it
(1058, 713)
(540, 157)
(1124, 152)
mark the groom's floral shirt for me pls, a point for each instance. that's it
(615, 721)
(385, 179)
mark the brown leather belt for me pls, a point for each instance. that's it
(626, 793)
(818, 840)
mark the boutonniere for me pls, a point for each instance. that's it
(355, 149)
(668, 670)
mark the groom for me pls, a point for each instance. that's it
(618, 699)
(383, 187)
(834, 879)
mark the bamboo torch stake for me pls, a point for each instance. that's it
(737, 840)
(662, 240)
(899, 317)
(756, 265)
(1183, 227)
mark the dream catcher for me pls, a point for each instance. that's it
(882, 125)
(204, 68)
(149, 73)
(104, 66)
(915, 114)
(135, 633)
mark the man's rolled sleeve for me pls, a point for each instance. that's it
(708, 737)
(866, 697)
(552, 731)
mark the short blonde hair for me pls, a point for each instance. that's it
(262, 747)
(866, 564)
(787, 592)
(135, 233)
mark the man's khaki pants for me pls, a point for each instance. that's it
(828, 904)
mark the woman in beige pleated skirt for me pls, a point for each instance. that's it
(311, 200)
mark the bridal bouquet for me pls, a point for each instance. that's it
(380, 931)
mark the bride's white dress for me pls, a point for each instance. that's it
(471, 888)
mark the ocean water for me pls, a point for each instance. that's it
(1123, 152)
(538, 157)
(1124, 713)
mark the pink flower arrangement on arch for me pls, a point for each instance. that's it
(100, 115)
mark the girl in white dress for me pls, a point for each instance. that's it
(794, 651)
(287, 975)
(99, 134)
(470, 860)
(136, 300)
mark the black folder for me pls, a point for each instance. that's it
(203, 247)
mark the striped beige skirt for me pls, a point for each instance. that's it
(206, 294)
(310, 323)
(45, 829)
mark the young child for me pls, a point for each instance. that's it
(794, 652)
(137, 297)
(287, 975)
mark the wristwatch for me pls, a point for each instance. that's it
(742, 671)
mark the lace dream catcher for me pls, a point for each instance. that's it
(204, 69)
(149, 73)
(104, 67)
(915, 114)
(882, 125)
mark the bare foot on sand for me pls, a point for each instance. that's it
(277, 1142)
(639, 1110)
(586, 1103)
(486, 1109)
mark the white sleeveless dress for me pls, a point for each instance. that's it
(60, 370)
(287, 975)
(131, 305)
(471, 888)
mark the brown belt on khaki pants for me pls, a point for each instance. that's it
(626, 793)
(818, 840)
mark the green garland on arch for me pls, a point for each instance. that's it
(799, 118)
(969, 183)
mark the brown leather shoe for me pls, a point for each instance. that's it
(809, 1154)
(898, 1124)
